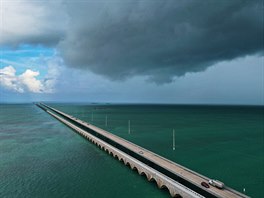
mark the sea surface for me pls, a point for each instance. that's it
(41, 157)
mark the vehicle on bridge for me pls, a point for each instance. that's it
(204, 184)
(216, 183)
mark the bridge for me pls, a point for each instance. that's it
(178, 180)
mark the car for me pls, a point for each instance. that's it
(216, 183)
(204, 184)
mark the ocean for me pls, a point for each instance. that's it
(41, 157)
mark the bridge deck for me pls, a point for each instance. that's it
(185, 173)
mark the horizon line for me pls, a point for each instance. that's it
(134, 103)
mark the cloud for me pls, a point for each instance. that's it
(32, 22)
(54, 70)
(26, 82)
(162, 39)
(8, 79)
(28, 78)
(158, 39)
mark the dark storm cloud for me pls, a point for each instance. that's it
(161, 39)
(122, 38)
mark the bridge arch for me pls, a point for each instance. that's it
(153, 180)
(134, 168)
(116, 156)
(127, 164)
(164, 187)
(177, 196)
(121, 160)
(147, 175)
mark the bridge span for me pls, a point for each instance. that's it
(178, 180)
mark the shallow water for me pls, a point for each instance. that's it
(40, 157)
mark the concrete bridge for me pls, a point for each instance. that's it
(178, 180)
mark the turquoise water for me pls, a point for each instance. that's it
(40, 157)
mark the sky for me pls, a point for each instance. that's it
(140, 51)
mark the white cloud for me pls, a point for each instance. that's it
(9, 80)
(27, 81)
